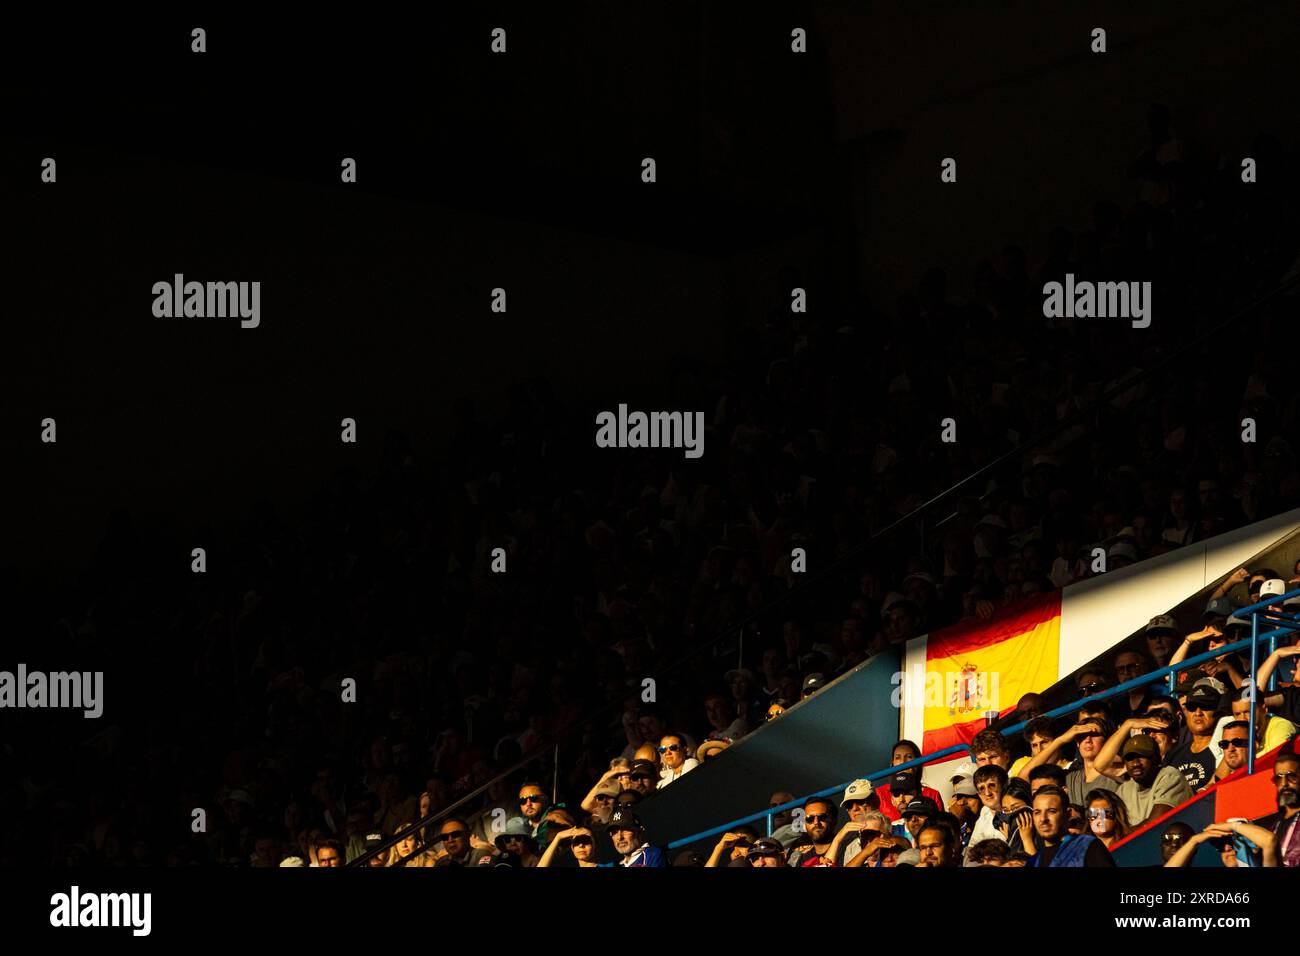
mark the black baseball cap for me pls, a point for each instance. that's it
(922, 805)
(905, 782)
(624, 819)
(645, 766)
(1206, 696)
(766, 847)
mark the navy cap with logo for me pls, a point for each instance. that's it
(624, 819)
(905, 782)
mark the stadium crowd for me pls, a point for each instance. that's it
(824, 430)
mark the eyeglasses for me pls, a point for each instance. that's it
(581, 841)
(532, 798)
(604, 798)
(641, 776)
(671, 748)
(1100, 813)
(817, 817)
(1173, 838)
(1194, 708)
(1233, 743)
(453, 835)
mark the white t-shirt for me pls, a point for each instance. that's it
(984, 829)
(1216, 746)
(668, 776)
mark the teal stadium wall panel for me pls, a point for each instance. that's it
(844, 731)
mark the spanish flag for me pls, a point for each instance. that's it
(976, 667)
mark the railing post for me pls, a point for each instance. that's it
(1254, 669)
(769, 824)
(1272, 648)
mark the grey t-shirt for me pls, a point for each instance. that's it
(1170, 788)
(1078, 788)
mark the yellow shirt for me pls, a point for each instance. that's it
(1277, 730)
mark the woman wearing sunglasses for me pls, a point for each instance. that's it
(1107, 819)
(580, 843)
(674, 759)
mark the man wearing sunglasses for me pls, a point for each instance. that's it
(1090, 682)
(453, 843)
(674, 758)
(533, 803)
(599, 802)
(1129, 665)
(1285, 824)
(1196, 759)
(1234, 744)
(819, 822)
(1174, 838)
(863, 807)
(643, 778)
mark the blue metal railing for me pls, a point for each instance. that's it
(1290, 624)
